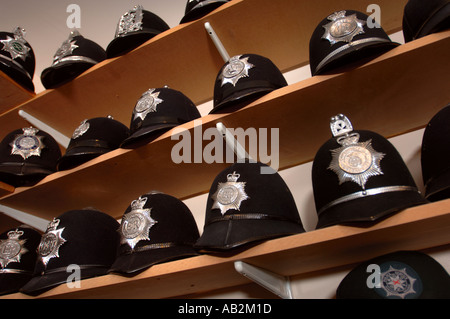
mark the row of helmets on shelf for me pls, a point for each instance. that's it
(339, 39)
(157, 228)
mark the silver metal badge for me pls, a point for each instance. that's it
(81, 129)
(236, 69)
(355, 161)
(229, 195)
(12, 249)
(130, 21)
(147, 104)
(16, 46)
(342, 28)
(67, 47)
(135, 225)
(398, 282)
(50, 242)
(27, 144)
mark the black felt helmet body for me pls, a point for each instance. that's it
(17, 58)
(155, 228)
(18, 253)
(435, 156)
(358, 176)
(345, 38)
(421, 18)
(199, 8)
(86, 238)
(27, 155)
(247, 205)
(245, 77)
(73, 57)
(398, 275)
(157, 111)
(92, 138)
(135, 27)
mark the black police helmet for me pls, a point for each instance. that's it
(155, 228)
(358, 176)
(245, 77)
(92, 138)
(135, 27)
(421, 18)
(247, 203)
(76, 55)
(17, 58)
(343, 39)
(27, 155)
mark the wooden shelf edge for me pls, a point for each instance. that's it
(12, 94)
(415, 228)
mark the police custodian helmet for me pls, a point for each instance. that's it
(92, 138)
(245, 77)
(74, 56)
(155, 228)
(401, 275)
(344, 38)
(134, 28)
(195, 9)
(157, 111)
(27, 155)
(17, 58)
(246, 206)
(435, 156)
(359, 176)
(87, 238)
(421, 18)
(18, 253)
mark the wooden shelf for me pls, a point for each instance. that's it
(185, 59)
(416, 228)
(397, 83)
(12, 94)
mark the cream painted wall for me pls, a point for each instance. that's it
(45, 22)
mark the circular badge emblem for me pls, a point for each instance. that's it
(399, 280)
(227, 195)
(9, 249)
(234, 68)
(145, 103)
(27, 143)
(47, 244)
(343, 27)
(355, 159)
(133, 225)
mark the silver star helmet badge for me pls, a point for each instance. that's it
(51, 241)
(399, 282)
(229, 195)
(235, 70)
(147, 104)
(131, 21)
(27, 144)
(67, 47)
(135, 225)
(81, 129)
(354, 161)
(16, 46)
(12, 249)
(342, 28)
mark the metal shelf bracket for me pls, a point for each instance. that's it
(59, 137)
(275, 283)
(215, 39)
